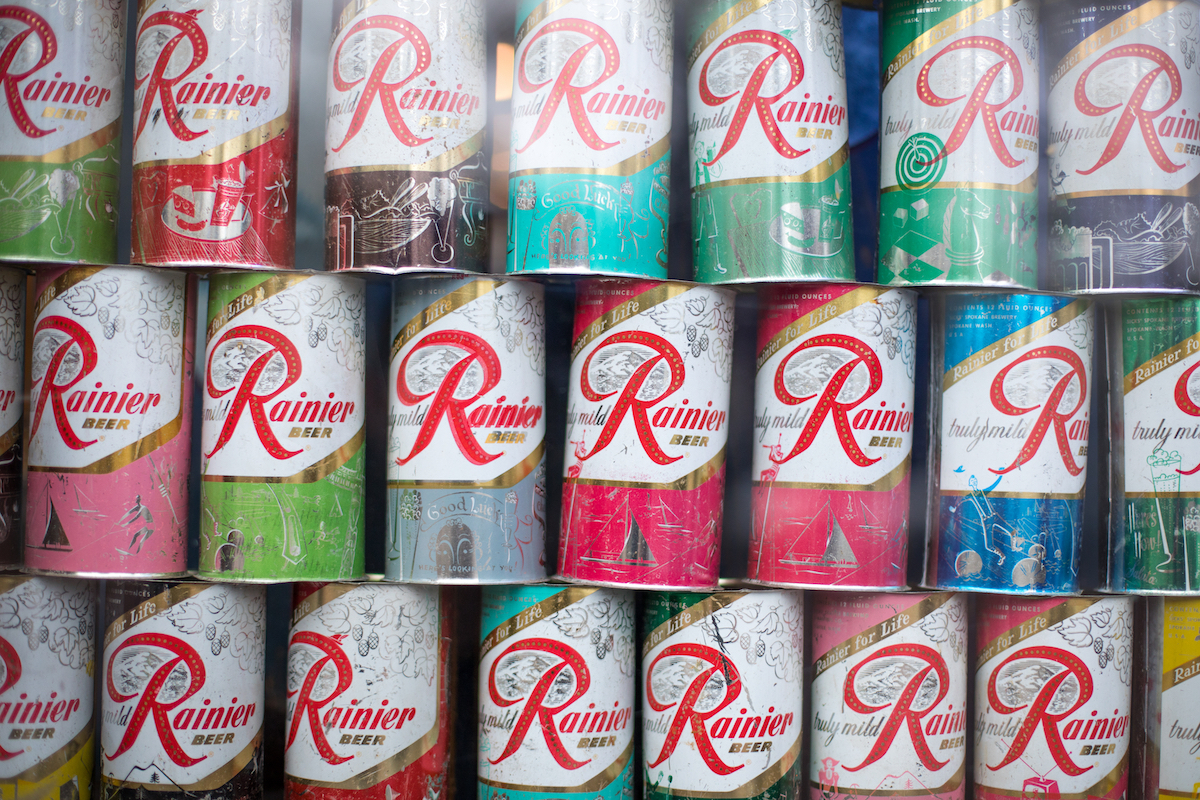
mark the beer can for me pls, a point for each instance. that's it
(556, 691)
(214, 134)
(1052, 697)
(110, 422)
(1166, 751)
(282, 460)
(647, 420)
(182, 690)
(1010, 396)
(368, 702)
(590, 163)
(769, 143)
(406, 179)
(47, 706)
(835, 369)
(958, 169)
(1154, 469)
(466, 445)
(722, 694)
(1122, 103)
(889, 696)
(60, 132)
(12, 406)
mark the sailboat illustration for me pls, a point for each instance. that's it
(635, 550)
(838, 552)
(56, 536)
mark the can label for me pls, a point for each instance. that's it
(60, 130)
(1052, 698)
(722, 708)
(959, 144)
(466, 450)
(1015, 398)
(282, 436)
(1179, 730)
(109, 422)
(647, 421)
(769, 143)
(835, 376)
(12, 404)
(589, 179)
(889, 695)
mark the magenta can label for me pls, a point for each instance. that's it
(12, 405)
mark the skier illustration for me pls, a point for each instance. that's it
(139, 517)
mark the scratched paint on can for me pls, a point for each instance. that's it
(12, 406)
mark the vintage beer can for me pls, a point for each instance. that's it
(406, 180)
(722, 694)
(12, 406)
(1154, 469)
(214, 134)
(182, 690)
(63, 70)
(958, 169)
(466, 445)
(556, 692)
(282, 460)
(1165, 750)
(1010, 395)
(769, 143)
(110, 422)
(889, 696)
(1123, 103)
(368, 711)
(1052, 697)
(47, 706)
(647, 420)
(836, 367)
(590, 162)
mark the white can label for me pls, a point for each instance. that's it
(1162, 403)
(1179, 731)
(12, 354)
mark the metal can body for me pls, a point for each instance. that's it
(589, 168)
(1123, 196)
(214, 135)
(1154, 375)
(1010, 394)
(959, 144)
(281, 464)
(368, 703)
(12, 406)
(770, 167)
(556, 692)
(1052, 697)
(467, 456)
(110, 413)
(1165, 749)
(47, 646)
(833, 434)
(647, 421)
(722, 694)
(889, 696)
(60, 133)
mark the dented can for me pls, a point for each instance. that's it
(1165, 748)
(836, 369)
(110, 422)
(647, 420)
(466, 445)
(12, 420)
(282, 461)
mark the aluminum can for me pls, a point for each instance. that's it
(12, 407)
(722, 694)
(466, 443)
(110, 350)
(47, 705)
(214, 134)
(63, 71)
(647, 420)
(590, 162)
(1052, 697)
(835, 369)
(889, 696)
(368, 711)
(958, 169)
(182, 690)
(1122, 146)
(1010, 395)
(556, 693)
(281, 459)
(406, 180)
(769, 143)
(1154, 470)
(1165, 748)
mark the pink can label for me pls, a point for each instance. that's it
(12, 392)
